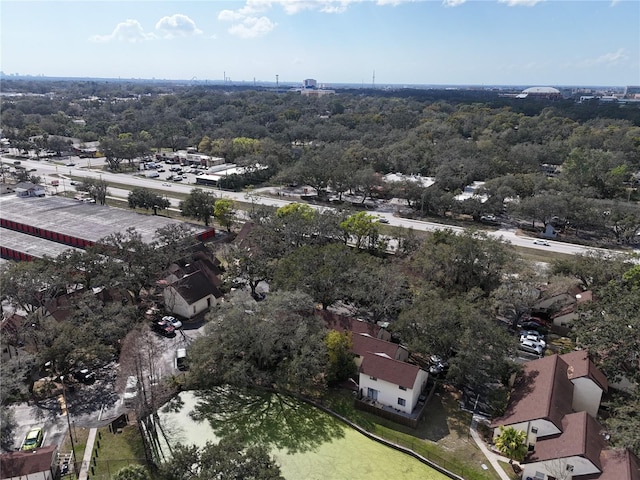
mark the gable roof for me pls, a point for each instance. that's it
(343, 323)
(195, 286)
(363, 343)
(24, 186)
(543, 391)
(581, 436)
(21, 463)
(242, 236)
(617, 464)
(393, 371)
(581, 366)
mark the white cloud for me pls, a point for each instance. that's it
(252, 27)
(453, 3)
(177, 25)
(325, 6)
(608, 59)
(128, 31)
(521, 3)
(393, 3)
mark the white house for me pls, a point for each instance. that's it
(390, 382)
(28, 189)
(555, 401)
(575, 452)
(188, 296)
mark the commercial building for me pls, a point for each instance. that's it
(48, 223)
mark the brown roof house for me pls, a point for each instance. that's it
(39, 464)
(392, 383)
(555, 401)
(364, 343)
(343, 323)
(191, 286)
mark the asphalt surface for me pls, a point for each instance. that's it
(271, 196)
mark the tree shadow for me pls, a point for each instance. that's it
(266, 418)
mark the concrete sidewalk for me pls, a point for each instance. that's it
(492, 457)
(86, 460)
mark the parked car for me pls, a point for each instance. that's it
(438, 366)
(531, 347)
(163, 328)
(33, 439)
(536, 326)
(172, 321)
(181, 359)
(534, 336)
(84, 375)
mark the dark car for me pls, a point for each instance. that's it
(84, 375)
(536, 326)
(163, 328)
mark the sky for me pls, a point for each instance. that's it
(368, 42)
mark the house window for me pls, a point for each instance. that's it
(372, 394)
(401, 387)
(194, 309)
(534, 429)
(373, 378)
(402, 402)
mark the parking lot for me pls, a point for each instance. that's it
(95, 404)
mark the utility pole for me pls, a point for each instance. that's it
(277, 76)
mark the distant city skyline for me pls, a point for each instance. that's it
(450, 42)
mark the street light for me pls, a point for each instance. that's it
(66, 408)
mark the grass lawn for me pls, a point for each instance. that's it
(509, 470)
(442, 435)
(113, 451)
(80, 436)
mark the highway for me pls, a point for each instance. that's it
(63, 173)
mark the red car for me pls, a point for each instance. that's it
(163, 328)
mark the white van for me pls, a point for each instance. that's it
(152, 174)
(130, 391)
(181, 359)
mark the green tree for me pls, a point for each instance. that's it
(144, 198)
(462, 261)
(324, 273)
(277, 344)
(132, 472)
(362, 228)
(297, 210)
(512, 443)
(224, 212)
(249, 265)
(96, 188)
(341, 360)
(227, 460)
(199, 204)
(458, 329)
(8, 426)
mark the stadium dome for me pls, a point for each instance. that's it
(541, 91)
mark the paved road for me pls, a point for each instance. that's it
(50, 170)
